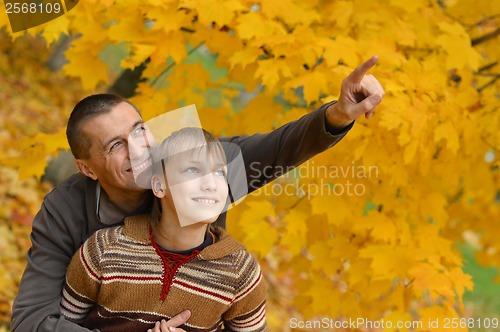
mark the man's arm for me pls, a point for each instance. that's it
(359, 95)
(83, 281)
(58, 230)
(267, 156)
(64, 222)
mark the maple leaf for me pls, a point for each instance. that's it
(321, 288)
(244, 57)
(140, 52)
(252, 25)
(455, 40)
(84, 56)
(343, 11)
(259, 236)
(313, 83)
(340, 49)
(388, 261)
(220, 12)
(447, 131)
(295, 231)
(292, 12)
(167, 18)
(270, 71)
(174, 46)
(53, 31)
(127, 27)
(150, 101)
(335, 207)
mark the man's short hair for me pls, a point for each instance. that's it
(87, 109)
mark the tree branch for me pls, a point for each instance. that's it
(170, 66)
(486, 37)
(57, 59)
(489, 144)
(126, 83)
(488, 66)
(488, 84)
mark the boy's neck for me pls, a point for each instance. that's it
(171, 236)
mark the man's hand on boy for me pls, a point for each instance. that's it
(171, 325)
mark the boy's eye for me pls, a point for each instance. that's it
(220, 172)
(138, 131)
(192, 170)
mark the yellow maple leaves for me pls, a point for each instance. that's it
(380, 252)
(455, 40)
(86, 65)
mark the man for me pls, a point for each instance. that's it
(105, 192)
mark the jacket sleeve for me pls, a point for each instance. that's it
(248, 311)
(268, 156)
(83, 280)
(54, 241)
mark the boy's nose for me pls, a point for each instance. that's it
(137, 147)
(208, 182)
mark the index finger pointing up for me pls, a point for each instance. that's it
(357, 75)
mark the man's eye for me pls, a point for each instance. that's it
(115, 146)
(192, 170)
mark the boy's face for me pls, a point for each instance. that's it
(197, 186)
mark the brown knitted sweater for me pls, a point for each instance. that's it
(115, 282)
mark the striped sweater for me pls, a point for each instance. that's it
(114, 283)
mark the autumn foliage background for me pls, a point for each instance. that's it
(394, 252)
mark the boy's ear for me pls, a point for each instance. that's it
(85, 169)
(158, 186)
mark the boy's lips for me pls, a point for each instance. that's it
(206, 200)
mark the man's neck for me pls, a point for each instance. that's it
(113, 209)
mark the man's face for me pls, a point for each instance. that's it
(119, 148)
(197, 186)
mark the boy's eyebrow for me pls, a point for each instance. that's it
(204, 162)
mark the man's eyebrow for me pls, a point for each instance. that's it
(138, 122)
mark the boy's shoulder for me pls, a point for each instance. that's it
(106, 236)
(135, 228)
(225, 246)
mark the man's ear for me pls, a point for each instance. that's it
(158, 186)
(85, 169)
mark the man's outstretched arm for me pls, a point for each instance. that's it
(267, 156)
(359, 95)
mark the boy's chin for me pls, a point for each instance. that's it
(203, 222)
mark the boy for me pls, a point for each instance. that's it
(126, 278)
